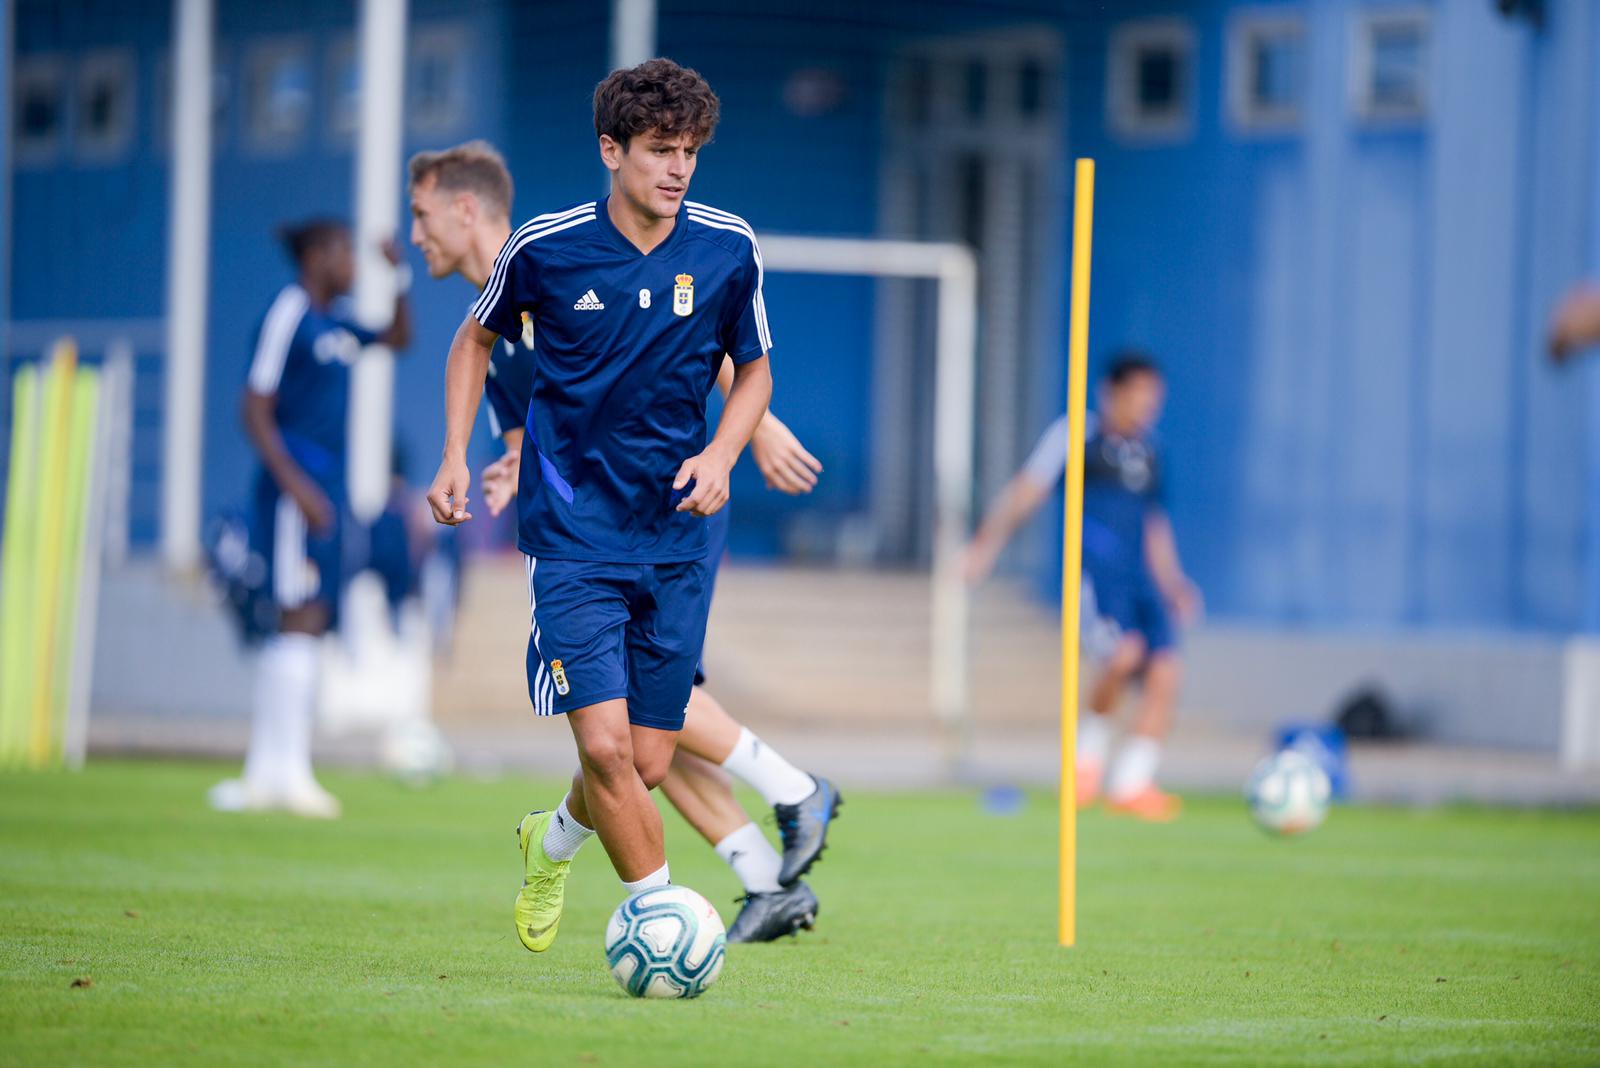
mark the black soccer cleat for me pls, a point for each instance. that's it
(804, 828)
(768, 917)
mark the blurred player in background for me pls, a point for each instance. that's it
(638, 301)
(1132, 578)
(295, 407)
(460, 207)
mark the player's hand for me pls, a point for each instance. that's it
(977, 561)
(499, 481)
(448, 494)
(709, 472)
(783, 461)
(313, 504)
(1187, 603)
(1576, 322)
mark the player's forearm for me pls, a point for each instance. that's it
(1161, 555)
(1015, 504)
(513, 439)
(725, 384)
(464, 372)
(398, 333)
(261, 428)
(748, 398)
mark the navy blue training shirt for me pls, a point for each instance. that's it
(303, 356)
(627, 348)
(1121, 486)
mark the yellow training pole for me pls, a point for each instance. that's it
(1072, 550)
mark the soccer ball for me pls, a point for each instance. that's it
(666, 942)
(415, 752)
(1288, 793)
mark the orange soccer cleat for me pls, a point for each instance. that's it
(1089, 776)
(1150, 803)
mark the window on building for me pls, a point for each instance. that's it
(437, 67)
(344, 90)
(1150, 73)
(1030, 88)
(277, 108)
(1266, 72)
(1390, 73)
(39, 109)
(106, 106)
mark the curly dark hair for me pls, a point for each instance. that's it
(657, 95)
(303, 238)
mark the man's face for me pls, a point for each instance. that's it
(1133, 405)
(653, 173)
(441, 226)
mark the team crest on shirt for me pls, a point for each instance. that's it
(683, 295)
(559, 673)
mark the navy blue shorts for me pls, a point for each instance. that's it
(1132, 608)
(603, 631)
(303, 567)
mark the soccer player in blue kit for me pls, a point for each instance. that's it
(460, 204)
(635, 300)
(295, 407)
(1131, 577)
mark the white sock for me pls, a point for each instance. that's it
(752, 859)
(1094, 738)
(279, 757)
(774, 778)
(659, 877)
(565, 835)
(1135, 768)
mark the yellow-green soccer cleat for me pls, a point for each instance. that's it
(544, 885)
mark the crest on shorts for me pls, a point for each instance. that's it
(559, 673)
(683, 295)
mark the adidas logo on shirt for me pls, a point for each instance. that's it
(589, 302)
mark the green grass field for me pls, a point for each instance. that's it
(1459, 936)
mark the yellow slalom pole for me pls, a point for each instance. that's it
(1072, 549)
(55, 443)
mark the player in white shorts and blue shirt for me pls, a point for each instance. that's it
(296, 405)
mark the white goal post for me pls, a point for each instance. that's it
(955, 270)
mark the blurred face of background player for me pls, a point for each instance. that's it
(442, 224)
(1131, 407)
(329, 266)
(650, 174)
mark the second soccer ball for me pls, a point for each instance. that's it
(1288, 793)
(665, 942)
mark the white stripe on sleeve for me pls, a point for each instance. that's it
(277, 334)
(1048, 461)
(721, 220)
(532, 230)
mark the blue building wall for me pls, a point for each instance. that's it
(1360, 430)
